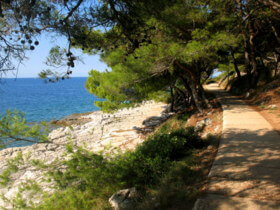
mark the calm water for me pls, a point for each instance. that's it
(45, 101)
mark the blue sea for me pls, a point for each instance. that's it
(42, 101)
(46, 101)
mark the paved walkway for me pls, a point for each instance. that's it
(246, 171)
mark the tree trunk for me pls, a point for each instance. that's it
(201, 89)
(268, 73)
(172, 99)
(194, 92)
(184, 96)
(275, 32)
(239, 9)
(190, 82)
(252, 46)
(235, 64)
(207, 103)
(196, 98)
(276, 64)
(252, 54)
(247, 57)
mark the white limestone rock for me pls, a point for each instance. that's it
(124, 199)
(114, 132)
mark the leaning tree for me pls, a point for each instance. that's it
(190, 38)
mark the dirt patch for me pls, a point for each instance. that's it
(212, 132)
(206, 158)
(212, 118)
(266, 100)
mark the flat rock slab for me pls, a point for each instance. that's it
(246, 171)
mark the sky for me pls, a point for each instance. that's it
(31, 67)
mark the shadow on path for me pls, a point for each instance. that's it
(246, 171)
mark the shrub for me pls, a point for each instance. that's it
(14, 128)
(89, 179)
(170, 145)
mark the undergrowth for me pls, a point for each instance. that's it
(162, 169)
(12, 167)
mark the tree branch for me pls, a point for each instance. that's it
(27, 140)
(73, 10)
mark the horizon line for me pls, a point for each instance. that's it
(37, 77)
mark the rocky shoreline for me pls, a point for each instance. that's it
(97, 131)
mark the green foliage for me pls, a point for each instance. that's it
(127, 83)
(148, 70)
(199, 35)
(154, 157)
(159, 96)
(88, 179)
(184, 116)
(57, 56)
(38, 164)
(176, 189)
(19, 202)
(13, 127)
(170, 145)
(30, 185)
(74, 200)
(12, 167)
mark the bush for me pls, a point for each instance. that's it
(90, 179)
(15, 128)
(170, 145)
(152, 159)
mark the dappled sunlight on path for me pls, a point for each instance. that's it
(246, 171)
